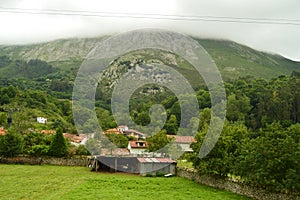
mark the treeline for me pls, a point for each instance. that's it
(36, 74)
(36, 144)
(24, 69)
(260, 142)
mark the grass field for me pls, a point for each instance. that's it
(57, 182)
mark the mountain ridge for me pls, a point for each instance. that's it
(232, 59)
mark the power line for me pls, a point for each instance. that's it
(223, 19)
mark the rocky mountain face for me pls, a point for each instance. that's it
(232, 59)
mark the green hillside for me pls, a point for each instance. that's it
(236, 60)
(233, 60)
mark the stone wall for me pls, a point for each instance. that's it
(233, 186)
(74, 161)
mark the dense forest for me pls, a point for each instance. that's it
(259, 143)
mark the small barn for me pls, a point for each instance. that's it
(135, 165)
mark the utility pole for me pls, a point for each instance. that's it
(9, 119)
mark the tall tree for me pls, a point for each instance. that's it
(58, 146)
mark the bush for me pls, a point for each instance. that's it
(159, 174)
(149, 175)
(38, 150)
(82, 150)
(11, 144)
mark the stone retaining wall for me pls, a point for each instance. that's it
(233, 186)
(74, 161)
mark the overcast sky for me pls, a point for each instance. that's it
(23, 28)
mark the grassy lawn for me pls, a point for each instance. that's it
(57, 182)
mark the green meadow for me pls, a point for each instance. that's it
(60, 182)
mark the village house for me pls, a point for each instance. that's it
(127, 132)
(137, 147)
(41, 120)
(135, 134)
(183, 142)
(112, 131)
(76, 140)
(122, 128)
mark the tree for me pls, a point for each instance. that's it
(143, 119)
(238, 107)
(219, 160)
(3, 119)
(11, 144)
(58, 146)
(171, 126)
(119, 140)
(272, 158)
(4, 61)
(158, 141)
(204, 119)
(4, 99)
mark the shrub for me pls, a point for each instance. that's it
(38, 150)
(82, 150)
(11, 144)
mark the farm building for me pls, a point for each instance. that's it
(137, 147)
(184, 142)
(136, 165)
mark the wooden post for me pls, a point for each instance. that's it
(96, 164)
(116, 164)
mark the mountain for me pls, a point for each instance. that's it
(233, 60)
(236, 60)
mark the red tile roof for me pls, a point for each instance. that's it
(48, 131)
(136, 144)
(112, 130)
(156, 160)
(133, 131)
(182, 139)
(73, 138)
(2, 131)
